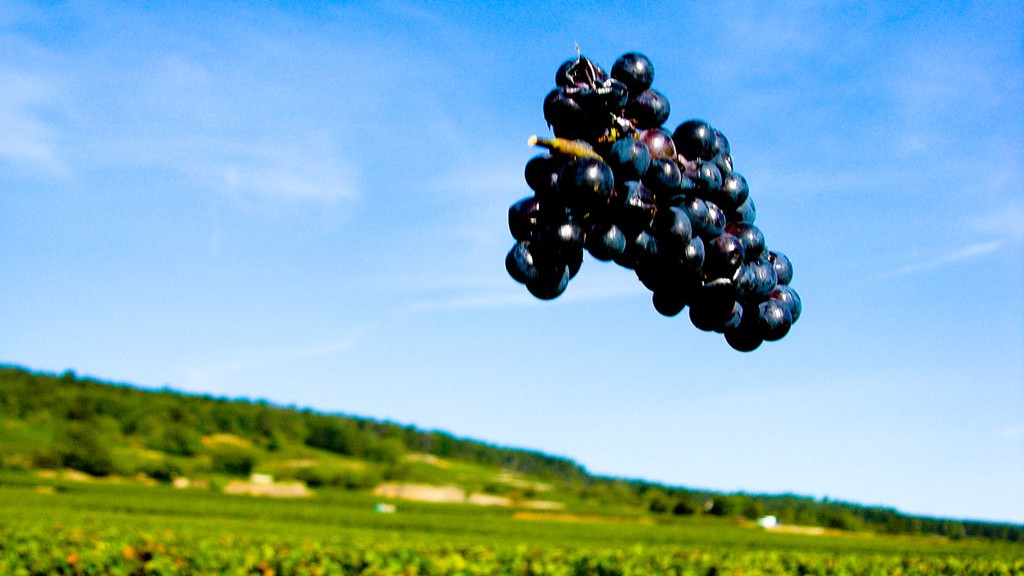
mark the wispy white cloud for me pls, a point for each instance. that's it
(967, 253)
(205, 376)
(26, 139)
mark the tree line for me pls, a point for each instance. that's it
(90, 412)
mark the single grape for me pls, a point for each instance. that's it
(648, 109)
(542, 174)
(743, 338)
(724, 163)
(629, 159)
(519, 263)
(721, 144)
(635, 71)
(667, 302)
(636, 208)
(733, 192)
(659, 142)
(723, 256)
(716, 220)
(756, 281)
(693, 256)
(672, 229)
(565, 116)
(774, 320)
(750, 236)
(607, 96)
(605, 241)
(523, 217)
(788, 296)
(557, 243)
(697, 212)
(664, 179)
(783, 267)
(695, 140)
(707, 178)
(711, 310)
(579, 71)
(746, 213)
(641, 250)
(586, 183)
(550, 283)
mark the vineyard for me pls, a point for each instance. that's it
(53, 526)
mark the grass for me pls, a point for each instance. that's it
(51, 525)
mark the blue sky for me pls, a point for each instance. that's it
(307, 204)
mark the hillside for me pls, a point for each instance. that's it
(104, 429)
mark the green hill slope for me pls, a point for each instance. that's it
(65, 422)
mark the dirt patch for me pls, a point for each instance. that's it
(273, 490)
(511, 479)
(229, 439)
(428, 459)
(457, 495)
(421, 492)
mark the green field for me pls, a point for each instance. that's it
(55, 526)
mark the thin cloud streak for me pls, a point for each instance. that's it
(198, 377)
(973, 251)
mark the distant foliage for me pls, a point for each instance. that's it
(91, 417)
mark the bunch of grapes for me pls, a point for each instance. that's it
(667, 205)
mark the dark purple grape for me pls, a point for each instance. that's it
(695, 140)
(550, 283)
(733, 192)
(637, 207)
(565, 116)
(707, 178)
(629, 159)
(542, 174)
(659, 142)
(750, 236)
(579, 71)
(786, 295)
(723, 256)
(557, 243)
(586, 182)
(648, 109)
(641, 250)
(724, 163)
(716, 221)
(672, 229)
(697, 212)
(693, 257)
(756, 281)
(774, 320)
(783, 267)
(635, 71)
(519, 263)
(746, 213)
(664, 179)
(523, 218)
(744, 338)
(667, 302)
(710, 311)
(721, 145)
(733, 321)
(605, 241)
(607, 96)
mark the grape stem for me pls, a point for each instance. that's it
(577, 148)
